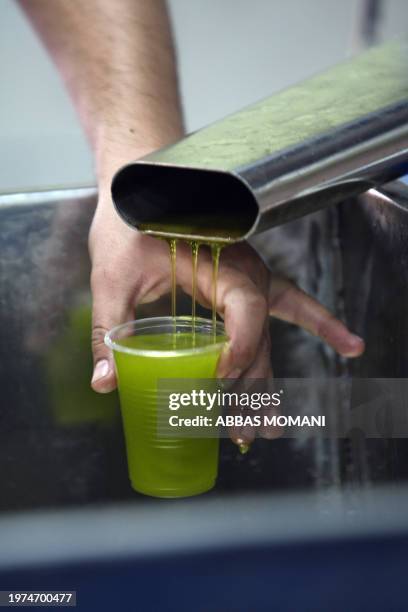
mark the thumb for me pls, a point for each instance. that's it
(109, 308)
(289, 303)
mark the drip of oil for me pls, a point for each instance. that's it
(194, 253)
(173, 252)
(215, 252)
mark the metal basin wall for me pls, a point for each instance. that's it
(62, 445)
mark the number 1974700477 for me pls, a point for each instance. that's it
(21, 598)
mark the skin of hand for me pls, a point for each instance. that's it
(118, 63)
(137, 271)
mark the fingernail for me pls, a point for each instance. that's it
(358, 345)
(101, 370)
(224, 361)
(243, 448)
(356, 338)
(227, 347)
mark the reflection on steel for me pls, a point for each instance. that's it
(61, 444)
(331, 137)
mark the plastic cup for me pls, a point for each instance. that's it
(146, 351)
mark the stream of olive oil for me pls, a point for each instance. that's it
(173, 253)
(194, 254)
(215, 253)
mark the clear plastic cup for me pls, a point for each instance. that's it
(146, 351)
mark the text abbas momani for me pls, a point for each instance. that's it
(254, 401)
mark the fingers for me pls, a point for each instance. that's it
(244, 310)
(261, 373)
(111, 306)
(289, 303)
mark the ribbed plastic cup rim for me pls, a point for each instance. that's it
(152, 323)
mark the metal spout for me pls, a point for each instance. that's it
(333, 136)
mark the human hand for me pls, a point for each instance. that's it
(130, 268)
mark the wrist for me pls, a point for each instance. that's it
(110, 156)
(124, 142)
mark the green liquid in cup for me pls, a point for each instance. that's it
(165, 467)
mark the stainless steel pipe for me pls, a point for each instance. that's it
(335, 135)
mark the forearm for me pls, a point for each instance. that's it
(117, 60)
